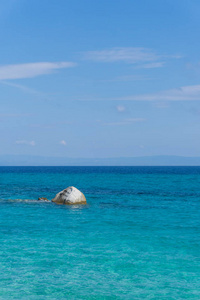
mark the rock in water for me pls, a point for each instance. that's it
(70, 195)
(43, 199)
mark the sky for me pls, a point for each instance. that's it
(94, 79)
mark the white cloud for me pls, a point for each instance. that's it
(31, 69)
(132, 55)
(24, 142)
(120, 108)
(63, 143)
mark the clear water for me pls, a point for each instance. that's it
(137, 238)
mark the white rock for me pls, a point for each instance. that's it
(70, 195)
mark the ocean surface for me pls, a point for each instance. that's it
(137, 238)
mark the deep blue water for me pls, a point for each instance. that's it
(137, 238)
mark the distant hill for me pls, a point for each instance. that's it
(162, 160)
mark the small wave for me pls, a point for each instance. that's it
(25, 200)
(124, 206)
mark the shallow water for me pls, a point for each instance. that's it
(137, 238)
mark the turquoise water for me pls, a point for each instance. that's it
(137, 238)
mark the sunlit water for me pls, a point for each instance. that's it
(137, 238)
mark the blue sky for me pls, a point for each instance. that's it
(100, 78)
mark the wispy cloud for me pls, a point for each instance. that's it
(126, 122)
(127, 78)
(153, 65)
(120, 108)
(24, 142)
(11, 115)
(30, 70)
(63, 142)
(193, 66)
(21, 87)
(134, 55)
(50, 125)
(184, 93)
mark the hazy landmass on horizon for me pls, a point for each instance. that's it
(162, 160)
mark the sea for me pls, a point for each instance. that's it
(138, 237)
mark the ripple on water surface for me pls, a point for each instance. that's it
(137, 238)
